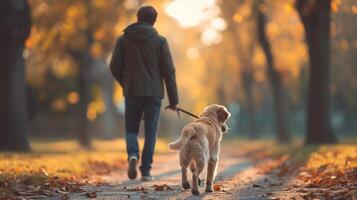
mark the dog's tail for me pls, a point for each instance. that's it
(186, 134)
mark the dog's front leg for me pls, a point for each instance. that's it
(211, 168)
(211, 171)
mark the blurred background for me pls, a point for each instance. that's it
(250, 55)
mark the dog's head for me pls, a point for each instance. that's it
(219, 112)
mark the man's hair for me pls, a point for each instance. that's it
(147, 14)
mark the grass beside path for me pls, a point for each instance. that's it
(319, 172)
(60, 166)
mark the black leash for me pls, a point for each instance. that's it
(178, 110)
(186, 112)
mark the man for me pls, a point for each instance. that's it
(141, 62)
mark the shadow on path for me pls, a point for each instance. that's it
(276, 181)
(136, 189)
(232, 170)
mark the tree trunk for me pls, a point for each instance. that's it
(105, 81)
(15, 23)
(84, 85)
(315, 16)
(109, 114)
(248, 90)
(84, 61)
(279, 97)
(244, 54)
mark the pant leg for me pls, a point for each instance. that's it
(134, 107)
(151, 117)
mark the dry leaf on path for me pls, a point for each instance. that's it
(91, 194)
(217, 187)
(163, 187)
(65, 197)
(136, 189)
(256, 185)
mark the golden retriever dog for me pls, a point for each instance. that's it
(199, 144)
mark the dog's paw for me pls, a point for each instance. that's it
(186, 185)
(209, 188)
(195, 192)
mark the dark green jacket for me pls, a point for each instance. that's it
(142, 61)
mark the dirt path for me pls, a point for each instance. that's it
(238, 177)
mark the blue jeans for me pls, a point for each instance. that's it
(135, 106)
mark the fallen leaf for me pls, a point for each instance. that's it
(302, 190)
(163, 187)
(312, 185)
(159, 187)
(65, 197)
(322, 168)
(217, 187)
(168, 187)
(136, 189)
(91, 194)
(256, 185)
(275, 184)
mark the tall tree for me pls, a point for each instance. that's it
(244, 50)
(315, 16)
(15, 26)
(80, 32)
(84, 60)
(279, 96)
(248, 80)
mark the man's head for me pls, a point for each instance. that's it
(147, 14)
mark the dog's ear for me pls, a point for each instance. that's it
(223, 114)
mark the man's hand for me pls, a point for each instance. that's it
(172, 107)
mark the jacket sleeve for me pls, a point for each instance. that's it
(117, 62)
(168, 73)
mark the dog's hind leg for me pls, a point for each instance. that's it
(184, 165)
(193, 169)
(196, 171)
(185, 183)
(184, 162)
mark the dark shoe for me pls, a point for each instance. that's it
(147, 178)
(132, 167)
